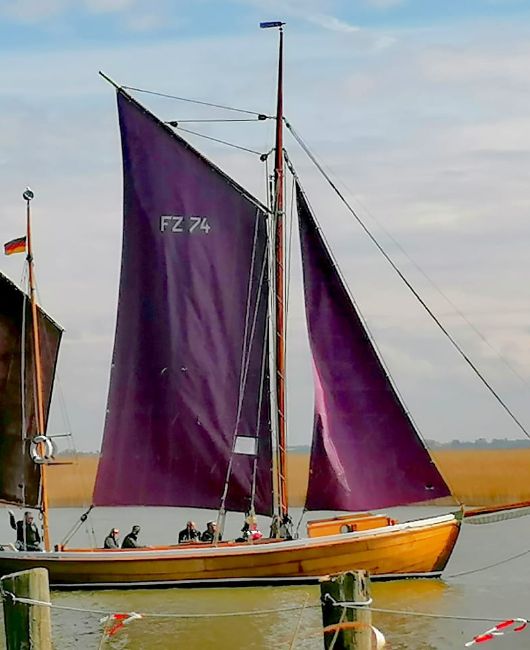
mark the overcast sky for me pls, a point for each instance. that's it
(420, 109)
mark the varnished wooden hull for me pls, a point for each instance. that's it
(419, 548)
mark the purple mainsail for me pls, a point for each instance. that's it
(189, 377)
(366, 452)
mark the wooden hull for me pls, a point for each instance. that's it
(413, 549)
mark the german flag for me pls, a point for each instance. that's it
(15, 246)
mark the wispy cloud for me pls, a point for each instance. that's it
(316, 12)
(332, 23)
(109, 6)
(140, 14)
(384, 4)
(418, 131)
(144, 22)
(31, 11)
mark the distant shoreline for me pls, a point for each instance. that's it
(477, 477)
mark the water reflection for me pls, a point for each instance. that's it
(406, 630)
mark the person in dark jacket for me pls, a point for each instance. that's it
(131, 540)
(111, 540)
(190, 533)
(209, 533)
(28, 536)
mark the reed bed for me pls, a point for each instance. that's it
(478, 477)
(71, 485)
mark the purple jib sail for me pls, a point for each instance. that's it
(190, 366)
(366, 452)
(19, 475)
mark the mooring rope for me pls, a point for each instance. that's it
(254, 612)
(100, 612)
(511, 558)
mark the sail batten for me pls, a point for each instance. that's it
(191, 331)
(366, 452)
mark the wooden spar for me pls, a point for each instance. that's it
(39, 400)
(111, 81)
(512, 508)
(280, 291)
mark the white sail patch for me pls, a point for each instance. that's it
(245, 445)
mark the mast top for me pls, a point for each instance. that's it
(271, 23)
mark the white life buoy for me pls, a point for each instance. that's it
(41, 450)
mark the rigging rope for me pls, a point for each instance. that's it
(245, 364)
(208, 120)
(73, 530)
(297, 628)
(23, 414)
(511, 558)
(260, 402)
(64, 413)
(289, 250)
(194, 101)
(368, 331)
(433, 284)
(432, 315)
(209, 137)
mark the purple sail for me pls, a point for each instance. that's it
(189, 377)
(19, 475)
(366, 452)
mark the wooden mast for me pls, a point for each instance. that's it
(280, 288)
(28, 195)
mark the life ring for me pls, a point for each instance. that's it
(37, 443)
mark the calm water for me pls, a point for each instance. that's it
(501, 592)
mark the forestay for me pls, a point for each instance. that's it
(189, 379)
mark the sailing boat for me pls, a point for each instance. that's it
(196, 407)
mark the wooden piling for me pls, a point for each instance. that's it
(346, 628)
(27, 627)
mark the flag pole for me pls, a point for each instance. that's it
(39, 400)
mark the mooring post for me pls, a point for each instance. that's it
(346, 627)
(27, 627)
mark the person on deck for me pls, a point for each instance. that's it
(111, 540)
(131, 540)
(250, 531)
(190, 533)
(28, 536)
(281, 527)
(209, 533)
